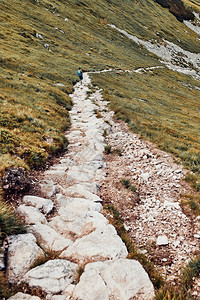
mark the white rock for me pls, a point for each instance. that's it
(171, 205)
(197, 236)
(176, 243)
(145, 176)
(89, 154)
(121, 279)
(52, 277)
(23, 252)
(100, 244)
(162, 240)
(79, 191)
(45, 205)
(22, 296)
(76, 176)
(77, 224)
(55, 173)
(48, 238)
(39, 36)
(48, 188)
(59, 84)
(31, 215)
(79, 204)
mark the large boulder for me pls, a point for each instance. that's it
(101, 244)
(76, 224)
(52, 277)
(23, 252)
(122, 279)
(79, 174)
(48, 238)
(80, 191)
(31, 215)
(48, 188)
(78, 204)
(42, 204)
(22, 296)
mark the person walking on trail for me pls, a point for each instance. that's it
(80, 74)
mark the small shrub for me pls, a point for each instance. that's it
(108, 149)
(35, 157)
(177, 8)
(9, 222)
(16, 181)
(194, 179)
(117, 151)
(8, 141)
(191, 271)
(170, 292)
(128, 185)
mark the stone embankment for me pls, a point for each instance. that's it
(71, 251)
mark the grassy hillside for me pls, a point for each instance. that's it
(42, 45)
(44, 42)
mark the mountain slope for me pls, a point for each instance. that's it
(44, 42)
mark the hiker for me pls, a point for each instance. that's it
(80, 74)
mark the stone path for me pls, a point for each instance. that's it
(70, 250)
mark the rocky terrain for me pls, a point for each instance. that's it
(74, 253)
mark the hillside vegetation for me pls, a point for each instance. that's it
(43, 42)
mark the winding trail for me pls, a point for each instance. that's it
(85, 258)
(68, 230)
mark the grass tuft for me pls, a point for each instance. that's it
(9, 222)
(108, 149)
(126, 182)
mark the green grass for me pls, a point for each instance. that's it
(126, 182)
(34, 111)
(162, 105)
(181, 291)
(9, 223)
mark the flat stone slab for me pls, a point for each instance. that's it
(76, 175)
(23, 252)
(48, 188)
(22, 296)
(101, 244)
(80, 191)
(31, 215)
(52, 277)
(76, 224)
(122, 279)
(42, 204)
(89, 154)
(79, 204)
(49, 239)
